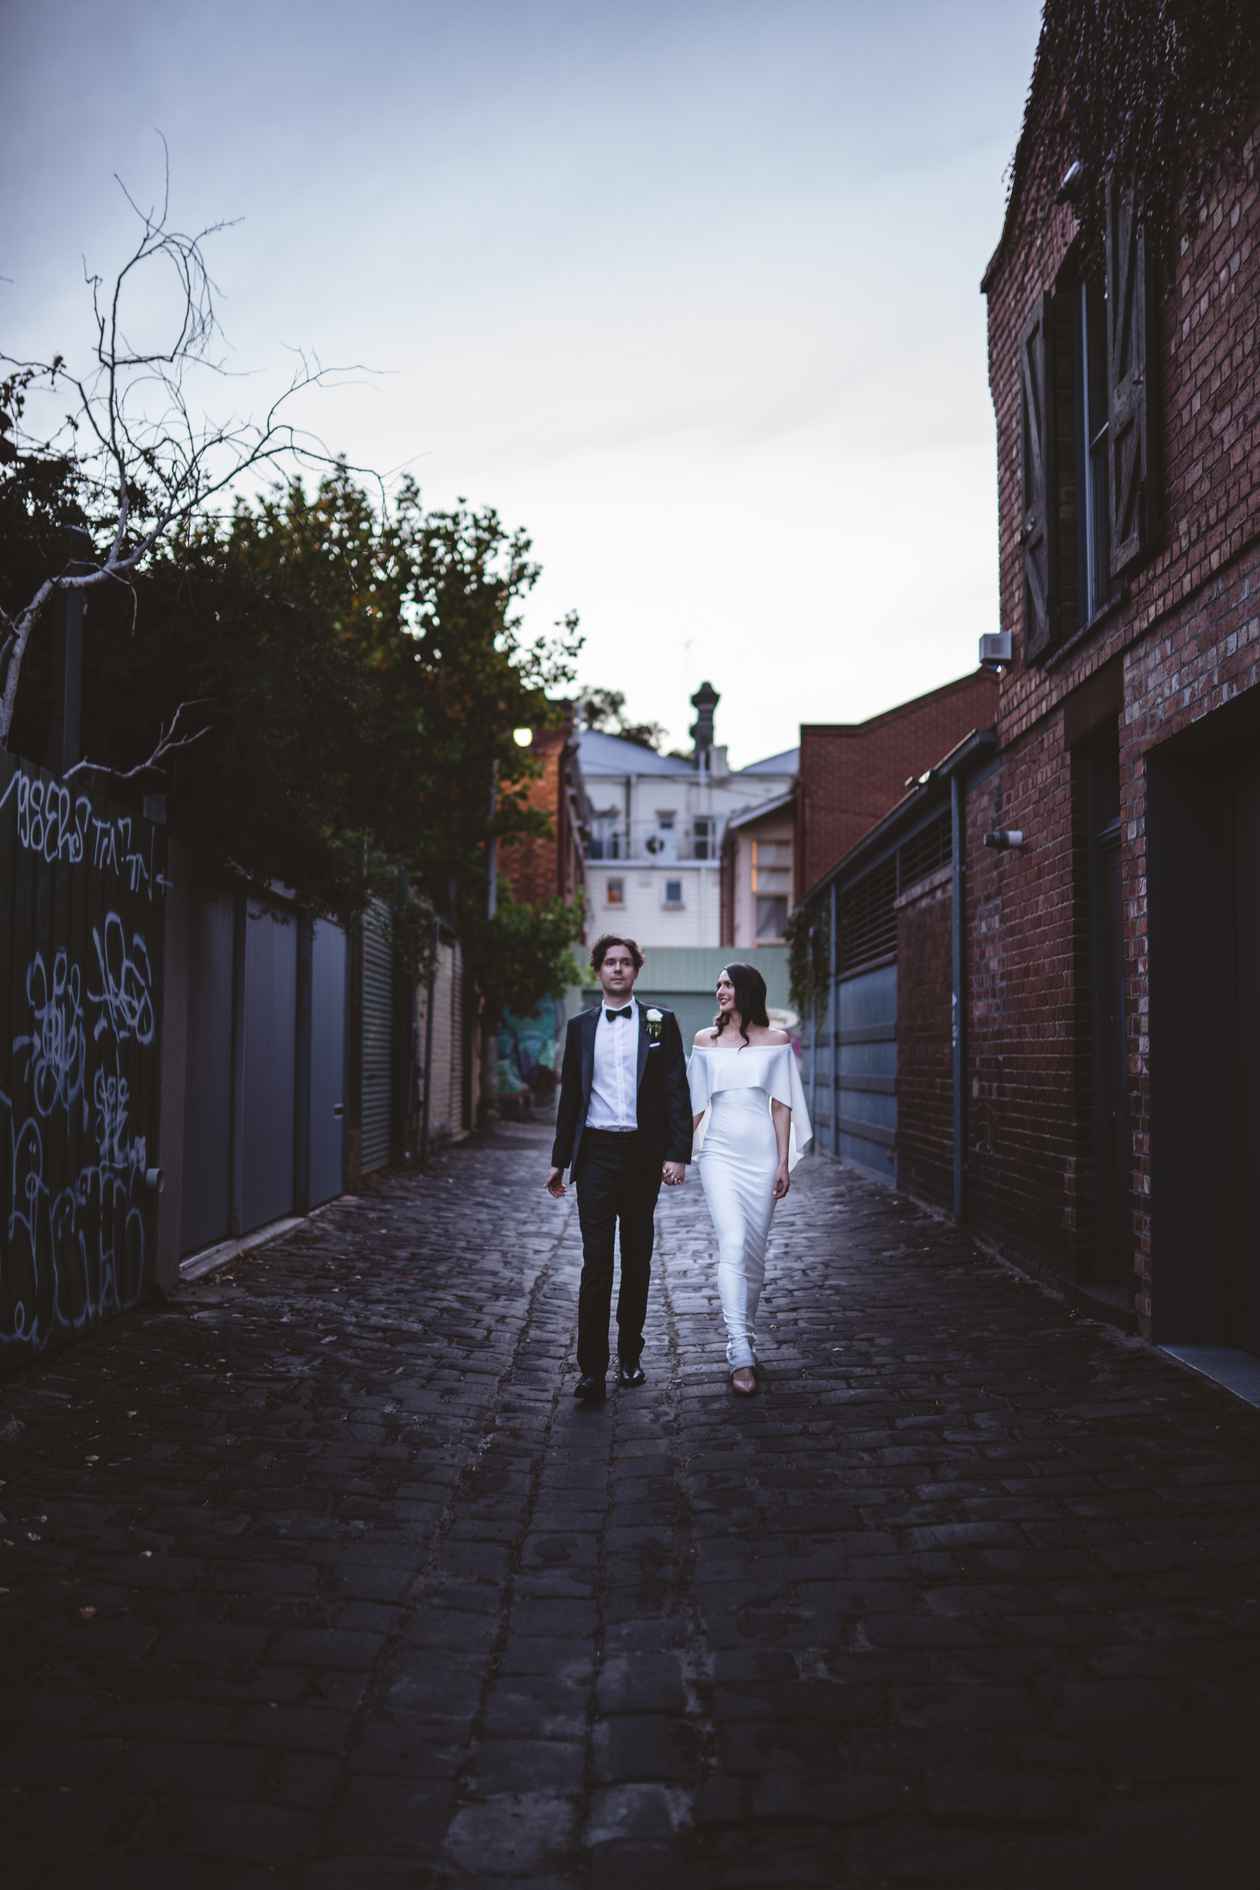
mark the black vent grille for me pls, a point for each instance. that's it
(924, 852)
(868, 921)
(868, 917)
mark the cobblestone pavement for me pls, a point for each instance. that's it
(318, 1577)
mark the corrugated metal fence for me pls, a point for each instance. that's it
(252, 1052)
(377, 1024)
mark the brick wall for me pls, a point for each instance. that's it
(925, 1088)
(1024, 1118)
(852, 774)
(552, 865)
(1182, 641)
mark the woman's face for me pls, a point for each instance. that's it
(725, 994)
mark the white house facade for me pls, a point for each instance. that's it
(656, 831)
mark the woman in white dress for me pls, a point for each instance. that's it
(743, 1077)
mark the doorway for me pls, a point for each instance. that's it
(1244, 1287)
(1203, 823)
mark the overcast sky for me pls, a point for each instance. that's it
(690, 291)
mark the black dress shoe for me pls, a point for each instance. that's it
(589, 1390)
(628, 1376)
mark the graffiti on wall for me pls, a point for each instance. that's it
(528, 1051)
(78, 1070)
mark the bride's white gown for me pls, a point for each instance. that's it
(738, 1157)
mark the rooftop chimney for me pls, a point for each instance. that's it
(704, 702)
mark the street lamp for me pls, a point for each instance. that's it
(524, 738)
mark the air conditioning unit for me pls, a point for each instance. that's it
(997, 650)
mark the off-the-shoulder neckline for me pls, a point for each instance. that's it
(713, 1049)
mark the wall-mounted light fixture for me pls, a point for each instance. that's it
(997, 650)
(1005, 839)
(1072, 184)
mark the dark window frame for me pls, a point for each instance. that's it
(1087, 363)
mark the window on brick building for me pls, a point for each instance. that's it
(1086, 363)
(771, 917)
(771, 885)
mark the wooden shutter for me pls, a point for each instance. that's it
(1036, 535)
(1128, 401)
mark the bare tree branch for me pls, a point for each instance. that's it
(142, 458)
(167, 743)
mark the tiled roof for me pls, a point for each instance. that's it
(787, 762)
(612, 754)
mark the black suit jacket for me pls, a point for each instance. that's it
(663, 1102)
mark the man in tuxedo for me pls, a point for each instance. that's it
(623, 1126)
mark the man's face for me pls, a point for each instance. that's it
(617, 974)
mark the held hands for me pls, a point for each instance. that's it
(782, 1181)
(673, 1174)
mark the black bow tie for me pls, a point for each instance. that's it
(612, 1016)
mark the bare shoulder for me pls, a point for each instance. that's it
(776, 1037)
(706, 1036)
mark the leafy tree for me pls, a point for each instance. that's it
(358, 678)
(336, 679)
(523, 954)
(605, 710)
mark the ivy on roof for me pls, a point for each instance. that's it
(1159, 92)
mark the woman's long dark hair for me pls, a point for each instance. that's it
(750, 1000)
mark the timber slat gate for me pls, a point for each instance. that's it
(82, 881)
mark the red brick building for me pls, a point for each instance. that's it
(884, 1041)
(852, 773)
(1054, 1029)
(553, 866)
(1114, 993)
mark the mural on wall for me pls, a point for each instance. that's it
(81, 886)
(529, 1049)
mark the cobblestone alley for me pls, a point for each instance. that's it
(317, 1579)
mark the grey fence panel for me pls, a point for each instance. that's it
(818, 1070)
(268, 1101)
(82, 881)
(206, 1207)
(328, 1061)
(865, 1109)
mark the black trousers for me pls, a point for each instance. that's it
(617, 1180)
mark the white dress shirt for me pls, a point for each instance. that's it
(615, 1077)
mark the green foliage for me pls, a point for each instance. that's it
(808, 936)
(1158, 92)
(523, 954)
(605, 710)
(357, 675)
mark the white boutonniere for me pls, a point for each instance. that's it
(655, 1019)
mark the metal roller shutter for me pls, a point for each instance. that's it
(458, 1028)
(377, 1103)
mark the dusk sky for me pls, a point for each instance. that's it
(690, 292)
